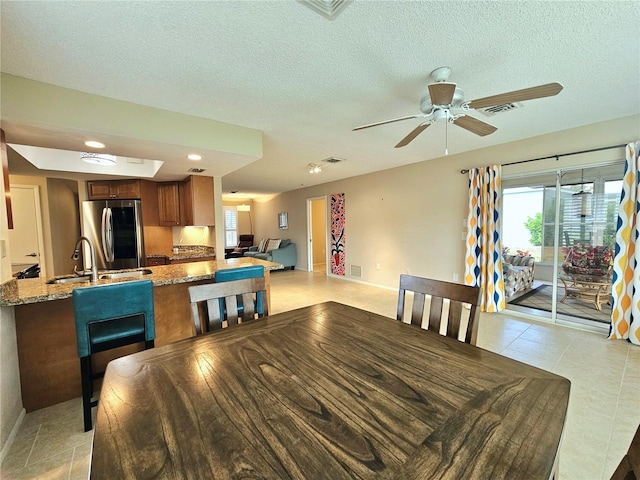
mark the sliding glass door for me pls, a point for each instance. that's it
(565, 220)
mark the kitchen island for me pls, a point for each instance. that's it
(45, 327)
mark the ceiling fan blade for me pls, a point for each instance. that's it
(414, 133)
(541, 91)
(441, 93)
(474, 125)
(389, 121)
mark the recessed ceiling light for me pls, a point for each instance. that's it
(314, 168)
(98, 158)
(94, 144)
(194, 156)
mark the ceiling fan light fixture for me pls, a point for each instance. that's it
(103, 159)
(315, 168)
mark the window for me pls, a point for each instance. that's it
(230, 227)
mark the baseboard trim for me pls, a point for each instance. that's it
(12, 436)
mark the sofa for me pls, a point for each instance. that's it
(517, 272)
(275, 250)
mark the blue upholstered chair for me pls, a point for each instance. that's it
(242, 273)
(110, 316)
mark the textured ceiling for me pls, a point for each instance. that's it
(306, 81)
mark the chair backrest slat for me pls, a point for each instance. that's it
(251, 291)
(454, 320)
(460, 298)
(435, 313)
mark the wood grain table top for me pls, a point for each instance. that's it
(326, 391)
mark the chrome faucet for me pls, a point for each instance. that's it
(76, 255)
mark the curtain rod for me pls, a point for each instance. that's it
(557, 157)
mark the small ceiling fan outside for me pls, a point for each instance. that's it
(445, 101)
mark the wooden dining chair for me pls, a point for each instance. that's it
(209, 314)
(462, 298)
(629, 467)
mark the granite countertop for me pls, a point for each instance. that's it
(35, 290)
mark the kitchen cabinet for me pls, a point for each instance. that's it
(155, 261)
(108, 189)
(145, 190)
(169, 204)
(186, 203)
(197, 203)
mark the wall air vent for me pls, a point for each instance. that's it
(326, 8)
(196, 170)
(355, 271)
(333, 160)
(496, 109)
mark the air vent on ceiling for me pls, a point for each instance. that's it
(496, 109)
(333, 160)
(196, 170)
(327, 8)
(355, 271)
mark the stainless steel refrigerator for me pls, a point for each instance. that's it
(115, 229)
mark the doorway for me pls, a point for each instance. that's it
(564, 219)
(26, 241)
(317, 234)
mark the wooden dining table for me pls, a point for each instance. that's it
(327, 391)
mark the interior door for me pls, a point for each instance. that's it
(25, 240)
(317, 232)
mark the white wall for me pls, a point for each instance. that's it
(64, 220)
(11, 409)
(410, 218)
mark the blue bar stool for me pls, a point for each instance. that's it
(110, 316)
(242, 273)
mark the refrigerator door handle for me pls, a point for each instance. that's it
(107, 234)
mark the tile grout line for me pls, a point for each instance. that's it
(73, 459)
(33, 445)
(555, 365)
(611, 429)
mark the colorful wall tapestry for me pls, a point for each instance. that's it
(625, 312)
(337, 234)
(483, 261)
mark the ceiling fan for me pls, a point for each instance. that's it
(445, 101)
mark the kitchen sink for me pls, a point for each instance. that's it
(102, 276)
(127, 274)
(70, 279)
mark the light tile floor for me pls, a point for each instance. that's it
(604, 406)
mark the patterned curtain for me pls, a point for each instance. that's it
(625, 312)
(483, 261)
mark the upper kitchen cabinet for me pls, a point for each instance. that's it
(145, 190)
(169, 204)
(113, 189)
(186, 203)
(197, 203)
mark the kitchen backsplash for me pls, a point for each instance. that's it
(194, 236)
